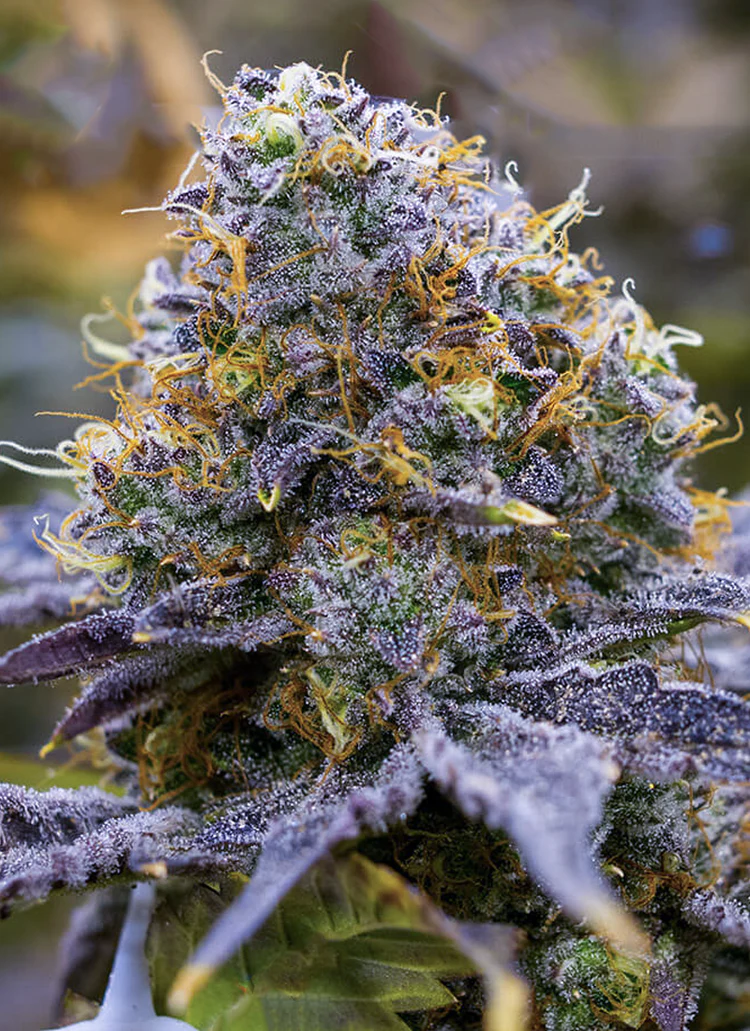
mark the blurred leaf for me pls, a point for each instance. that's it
(28, 122)
(24, 22)
(95, 24)
(508, 998)
(110, 248)
(350, 947)
(33, 773)
(169, 58)
(171, 62)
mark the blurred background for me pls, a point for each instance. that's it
(97, 100)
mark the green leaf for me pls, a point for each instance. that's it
(409, 950)
(282, 1012)
(516, 511)
(32, 773)
(181, 920)
(350, 947)
(329, 972)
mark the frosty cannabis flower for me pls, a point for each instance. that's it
(389, 551)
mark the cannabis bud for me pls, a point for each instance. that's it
(385, 589)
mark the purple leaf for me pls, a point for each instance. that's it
(77, 646)
(545, 786)
(41, 603)
(630, 701)
(707, 910)
(119, 845)
(56, 816)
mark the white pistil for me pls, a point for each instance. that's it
(35, 470)
(127, 1004)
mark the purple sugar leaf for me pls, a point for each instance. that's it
(190, 605)
(57, 816)
(247, 637)
(41, 602)
(402, 649)
(630, 701)
(204, 615)
(120, 845)
(654, 760)
(676, 978)
(531, 641)
(653, 614)
(710, 596)
(135, 681)
(725, 917)
(580, 645)
(174, 659)
(545, 786)
(74, 647)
